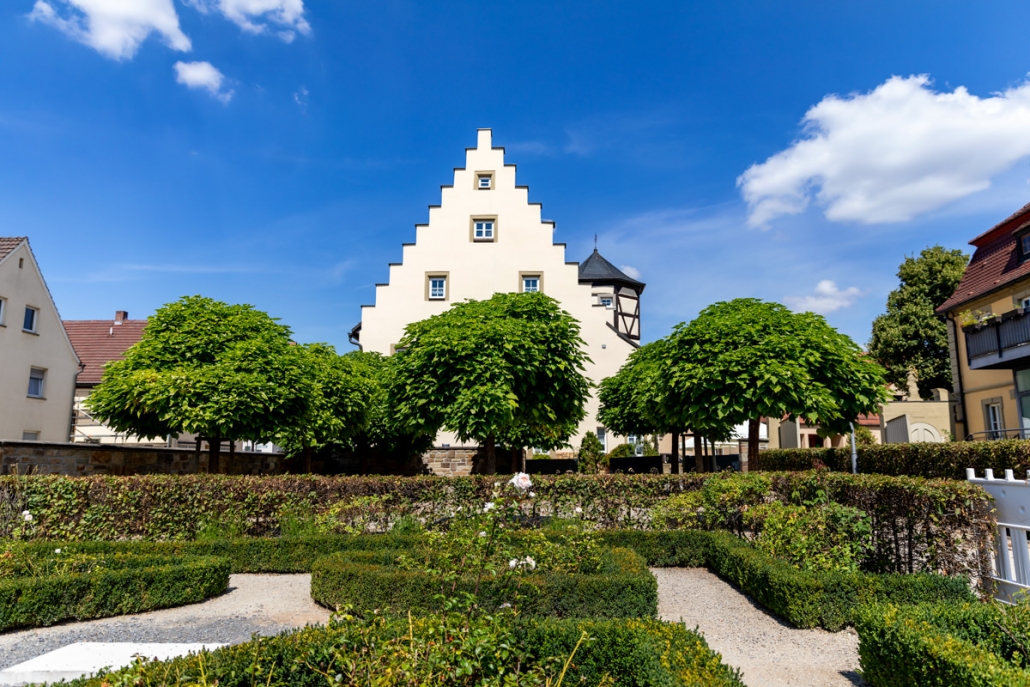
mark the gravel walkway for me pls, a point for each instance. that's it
(262, 604)
(769, 652)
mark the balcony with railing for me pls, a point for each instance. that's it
(1002, 343)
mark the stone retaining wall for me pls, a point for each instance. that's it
(23, 457)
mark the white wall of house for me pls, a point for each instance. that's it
(46, 350)
(522, 245)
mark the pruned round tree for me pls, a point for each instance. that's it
(745, 359)
(509, 368)
(206, 367)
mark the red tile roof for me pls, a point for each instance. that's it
(9, 243)
(101, 341)
(995, 262)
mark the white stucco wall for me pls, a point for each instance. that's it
(524, 243)
(47, 349)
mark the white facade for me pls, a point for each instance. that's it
(459, 254)
(37, 362)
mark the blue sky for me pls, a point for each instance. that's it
(278, 152)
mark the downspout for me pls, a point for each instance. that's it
(958, 369)
(75, 385)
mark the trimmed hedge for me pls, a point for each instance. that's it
(622, 588)
(804, 599)
(632, 652)
(948, 460)
(126, 584)
(937, 644)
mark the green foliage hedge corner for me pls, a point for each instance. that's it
(623, 588)
(804, 599)
(121, 585)
(958, 645)
(631, 652)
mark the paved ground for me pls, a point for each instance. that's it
(262, 604)
(770, 652)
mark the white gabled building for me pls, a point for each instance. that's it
(486, 237)
(37, 362)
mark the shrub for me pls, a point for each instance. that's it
(621, 451)
(719, 504)
(621, 587)
(820, 538)
(959, 645)
(38, 590)
(591, 454)
(931, 460)
(483, 651)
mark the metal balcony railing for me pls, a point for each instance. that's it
(996, 434)
(1000, 342)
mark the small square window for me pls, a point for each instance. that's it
(483, 230)
(31, 315)
(29, 436)
(606, 301)
(484, 182)
(36, 380)
(531, 284)
(437, 288)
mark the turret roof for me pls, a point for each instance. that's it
(596, 270)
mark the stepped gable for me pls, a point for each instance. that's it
(596, 270)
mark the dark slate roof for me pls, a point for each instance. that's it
(994, 264)
(597, 270)
(9, 243)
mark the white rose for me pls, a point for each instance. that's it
(531, 563)
(488, 507)
(57, 550)
(27, 516)
(532, 494)
(512, 563)
(521, 481)
(577, 509)
(482, 534)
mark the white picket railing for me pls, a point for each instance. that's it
(1011, 560)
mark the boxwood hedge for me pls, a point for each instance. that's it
(957, 645)
(118, 584)
(622, 588)
(630, 652)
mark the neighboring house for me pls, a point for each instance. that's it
(487, 237)
(99, 342)
(989, 334)
(37, 361)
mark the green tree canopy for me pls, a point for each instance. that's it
(745, 359)
(221, 371)
(910, 335)
(626, 398)
(505, 369)
(341, 396)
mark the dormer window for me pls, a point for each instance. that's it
(1024, 245)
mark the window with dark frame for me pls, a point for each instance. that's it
(31, 315)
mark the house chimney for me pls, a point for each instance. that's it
(120, 316)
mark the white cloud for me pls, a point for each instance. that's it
(285, 18)
(826, 298)
(301, 97)
(202, 75)
(889, 155)
(114, 28)
(631, 272)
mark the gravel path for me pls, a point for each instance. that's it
(262, 604)
(769, 652)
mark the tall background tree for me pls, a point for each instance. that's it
(505, 369)
(910, 335)
(745, 359)
(206, 367)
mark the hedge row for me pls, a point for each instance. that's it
(160, 507)
(804, 599)
(958, 645)
(125, 584)
(948, 460)
(630, 652)
(622, 588)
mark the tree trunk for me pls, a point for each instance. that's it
(699, 456)
(752, 445)
(307, 460)
(196, 454)
(490, 468)
(232, 456)
(214, 445)
(675, 457)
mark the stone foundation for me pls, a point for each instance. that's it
(24, 457)
(451, 461)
